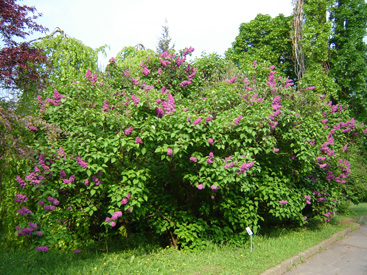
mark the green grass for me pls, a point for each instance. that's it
(268, 251)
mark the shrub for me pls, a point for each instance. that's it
(153, 151)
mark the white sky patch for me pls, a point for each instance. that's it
(205, 25)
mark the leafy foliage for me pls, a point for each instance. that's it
(17, 21)
(264, 39)
(348, 52)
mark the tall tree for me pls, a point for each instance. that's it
(311, 33)
(348, 52)
(264, 39)
(165, 40)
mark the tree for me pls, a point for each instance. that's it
(264, 39)
(315, 31)
(165, 40)
(17, 21)
(348, 60)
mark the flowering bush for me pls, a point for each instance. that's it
(152, 150)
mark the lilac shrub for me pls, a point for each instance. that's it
(148, 149)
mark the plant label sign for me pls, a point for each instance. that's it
(249, 231)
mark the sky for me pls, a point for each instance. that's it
(207, 25)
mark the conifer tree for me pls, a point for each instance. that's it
(165, 40)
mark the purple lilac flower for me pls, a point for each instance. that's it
(61, 152)
(26, 231)
(210, 141)
(276, 150)
(146, 71)
(209, 118)
(208, 160)
(138, 140)
(159, 112)
(200, 187)
(227, 159)
(77, 251)
(32, 225)
(163, 63)
(33, 128)
(20, 198)
(282, 202)
(88, 74)
(169, 152)
(105, 106)
(185, 83)
(230, 81)
(135, 100)
(193, 159)
(214, 188)
(82, 163)
(245, 167)
(49, 207)
(128, 131)
(197, 121)
(24, 211)
(135, 81)
(113, 224)
(39, 234)
(237, 120)
(53, 200)
(169, 104)
(188, 51)
(310, 88)
(21, 152)
(126, 199)
(70, 180)
(42, 248)
(116, 215)
(94, 79)
(21, 182)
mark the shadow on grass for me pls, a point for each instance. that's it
(26, 261)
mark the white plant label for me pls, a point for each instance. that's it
(249, 231)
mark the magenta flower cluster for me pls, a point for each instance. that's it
(245, 167)
(24, 211)
(237, 120)
(193, 159)
(197, 121)
(53, 200)
(20, 198)
(126, 199)
(42, 248)
(82, 163)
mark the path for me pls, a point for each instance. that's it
(347, 256)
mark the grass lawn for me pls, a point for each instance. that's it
(267, 252)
